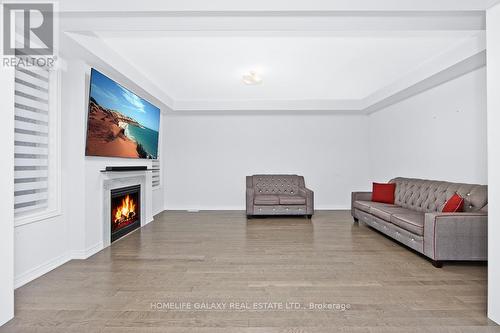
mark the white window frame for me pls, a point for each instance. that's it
(53, 208)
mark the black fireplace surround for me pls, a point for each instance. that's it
(125, 211)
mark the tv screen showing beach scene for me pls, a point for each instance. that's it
(120, 123)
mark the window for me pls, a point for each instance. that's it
(36, 141)
(156, 180)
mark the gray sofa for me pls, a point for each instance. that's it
(416, 219)
(278, 195)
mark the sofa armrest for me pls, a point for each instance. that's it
(249, 200)
(456, 236)
(365, 196)
(309, 195)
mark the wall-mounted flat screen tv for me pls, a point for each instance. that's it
(120, 123)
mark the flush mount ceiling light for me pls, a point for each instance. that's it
(252, 78)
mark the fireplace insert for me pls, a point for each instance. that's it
(125, 211)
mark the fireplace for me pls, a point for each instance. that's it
(125, 211)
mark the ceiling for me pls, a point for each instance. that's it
(272, 5)
(304, 67)
(349, 61)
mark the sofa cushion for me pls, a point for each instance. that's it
(277, 184)
(430, 196)
(385, 212)
(266, 200)
(383, 192)
(292, 200)
(454, 204)
(365, 205)
(413, 222)
(362, 205)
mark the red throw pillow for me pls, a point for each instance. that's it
(383, 193)
(454, 204)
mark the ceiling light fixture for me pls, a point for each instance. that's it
(252, 78)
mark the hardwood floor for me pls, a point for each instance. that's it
(191, 259)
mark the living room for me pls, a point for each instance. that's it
(211, 167)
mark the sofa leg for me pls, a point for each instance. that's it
(356, 219)
(437, 264)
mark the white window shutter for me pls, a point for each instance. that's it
(156, 173)
(31, 140)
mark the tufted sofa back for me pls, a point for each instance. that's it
(430, 195)
(277, 184)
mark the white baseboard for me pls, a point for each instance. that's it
(158, 211)
(332, 208)
(233, 208)
(88, 252)
(494, 319)
(5, 317)
(200, 208)
(40, 270)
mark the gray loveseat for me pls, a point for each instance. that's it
(278, 195)
(416, 219)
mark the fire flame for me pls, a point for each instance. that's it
(126, 210)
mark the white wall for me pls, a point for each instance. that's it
(159, 192)
(208, 156)
(493, 41)
(92, 190)
(438, 134)
(7, 195)
(89, 177)
(73, 154)
(43, 245)
(77, 232)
